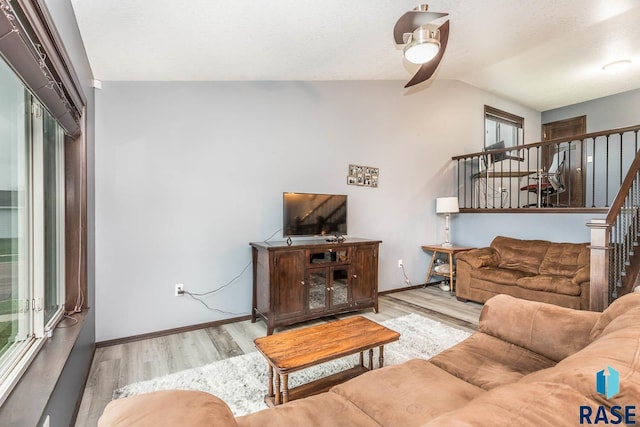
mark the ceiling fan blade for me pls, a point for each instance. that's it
(426, 70)
(412, 20)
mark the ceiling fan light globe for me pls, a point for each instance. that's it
(421, 52)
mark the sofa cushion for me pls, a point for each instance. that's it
(408, 394)
(620, 306)
(321, 410)
(489, 362)
(522, 405)
(617, 347)
(552, 331)
(556, 284)
(516, 254)
(502, 276)
(564, 259)
(167, 408)
(482, 257)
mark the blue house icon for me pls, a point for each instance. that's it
(608, 384)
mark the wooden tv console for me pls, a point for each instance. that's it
(309, 279)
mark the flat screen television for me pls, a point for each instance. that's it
(307, 214)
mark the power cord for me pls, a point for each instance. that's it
(229, 283)
(406, 278)
(210, 308)
(196, 296)
(270, 237)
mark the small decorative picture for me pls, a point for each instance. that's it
(365, 176)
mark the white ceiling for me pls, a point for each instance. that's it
(541, 53)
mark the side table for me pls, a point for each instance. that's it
(450, 251)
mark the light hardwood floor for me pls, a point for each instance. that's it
(118, 365)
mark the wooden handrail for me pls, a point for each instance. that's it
(551, 141)
(613, 240)
(618, 202)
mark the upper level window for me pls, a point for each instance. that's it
(502, 129)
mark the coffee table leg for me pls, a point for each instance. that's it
(277, 380)
(370, 359)
(285, 388)
(381, 357)
(361, 359)
(270, 374)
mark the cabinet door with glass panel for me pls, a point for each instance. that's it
(328, 288)
(328, 279)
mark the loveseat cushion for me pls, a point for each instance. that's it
(321, 410)
(555, 284)
(489, 362)
(408, 394)
(168, 408)
(516, 254)
(522, 405)
(549, 330)
(502, 276)
(564, 259)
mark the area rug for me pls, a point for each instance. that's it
(242, 381)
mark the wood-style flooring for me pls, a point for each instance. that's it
(118, 365)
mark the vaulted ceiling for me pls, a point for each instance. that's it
(541, 53)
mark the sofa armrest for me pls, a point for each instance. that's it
(482, 257)
(168, 408)
(550, 330)
(582, 275)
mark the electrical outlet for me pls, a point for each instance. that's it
(400, 264)
(179, 290)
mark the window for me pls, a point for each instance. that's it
(31, 227)
(502, 129)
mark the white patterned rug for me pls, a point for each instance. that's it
(242, 381)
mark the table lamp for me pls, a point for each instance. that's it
(447, 206)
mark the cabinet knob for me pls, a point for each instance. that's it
(355, 276)
(302, 282)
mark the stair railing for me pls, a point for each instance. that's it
(614, 240)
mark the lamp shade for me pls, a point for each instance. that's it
(447, 205)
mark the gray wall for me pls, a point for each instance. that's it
(479, 229)
(187, 174)
(609, 112)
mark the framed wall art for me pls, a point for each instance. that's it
(366, 176)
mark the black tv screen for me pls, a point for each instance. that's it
(306, 214)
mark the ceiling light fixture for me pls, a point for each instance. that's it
(422, 45)
(617, 66)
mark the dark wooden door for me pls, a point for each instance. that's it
(290, 286)
(365, 274)
(573, 176)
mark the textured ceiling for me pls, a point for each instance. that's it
(541, 53)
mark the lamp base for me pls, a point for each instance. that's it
(447, 245)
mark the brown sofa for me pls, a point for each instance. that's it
(529, 364)
(536, 270)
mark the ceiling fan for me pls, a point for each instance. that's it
(424, 41)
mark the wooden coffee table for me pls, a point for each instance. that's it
(298, 349)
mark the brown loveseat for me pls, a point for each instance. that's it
(536, 270)
(529, 364)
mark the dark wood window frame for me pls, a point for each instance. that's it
(502, 117)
